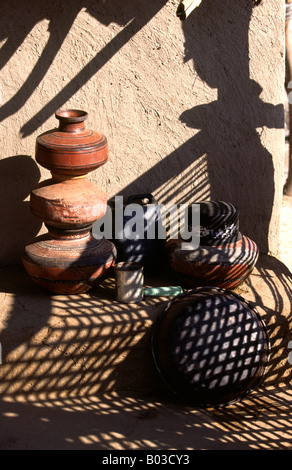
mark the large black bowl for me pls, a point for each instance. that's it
(210, 347)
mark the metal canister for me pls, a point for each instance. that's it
(145, 247)
(129, 282)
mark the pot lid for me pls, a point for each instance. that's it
(210, 347)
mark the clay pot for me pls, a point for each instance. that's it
(68, 264)
(225, 265)
(68, 259)
(72, 149)
(71, 203)
(224, 258)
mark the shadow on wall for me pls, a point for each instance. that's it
(17, 226)
(17, 21)
(19, 174)
(225, 160)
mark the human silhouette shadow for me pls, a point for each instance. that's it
(240, 169)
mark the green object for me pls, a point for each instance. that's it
(157, 291)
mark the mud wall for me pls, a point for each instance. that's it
(192, 110)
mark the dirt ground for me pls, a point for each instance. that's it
(51, 399)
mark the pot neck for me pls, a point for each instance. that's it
(71, 120)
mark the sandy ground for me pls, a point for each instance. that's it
(48, 401)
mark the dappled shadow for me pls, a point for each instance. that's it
(211, 347)
(72, 344)
(118, 421)
(79, 368)
(87, 359)
(270, 289)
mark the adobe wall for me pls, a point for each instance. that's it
(192, 110)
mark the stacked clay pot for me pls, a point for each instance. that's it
(225, 257)
(68, 259)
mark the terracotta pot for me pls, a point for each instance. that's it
(72, 149)
(225, 266)
(224, 258)
(68, 259)
(68, 264)
(69, 203)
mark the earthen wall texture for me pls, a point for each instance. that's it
(192, 110)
